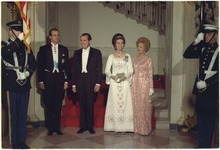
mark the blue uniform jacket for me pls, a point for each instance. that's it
(9, 76)
(204, 52)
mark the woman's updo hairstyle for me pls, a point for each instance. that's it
(116, 37)
(145, 41)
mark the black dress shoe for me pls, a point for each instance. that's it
(24, 146)
(92, 131)
(16, 146)
(49, 133)
(81, 130)
(59, 132)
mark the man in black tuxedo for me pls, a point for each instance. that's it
(53, 79)
(86, 80)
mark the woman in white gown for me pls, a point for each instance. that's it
(119, 70)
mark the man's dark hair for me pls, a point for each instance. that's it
(88, 35)
(53, 29)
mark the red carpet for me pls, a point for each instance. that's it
(71, 113)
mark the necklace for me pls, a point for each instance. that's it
(119, 54)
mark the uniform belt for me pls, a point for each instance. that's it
(17, 67)
(55, 72)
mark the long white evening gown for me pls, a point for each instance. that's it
(119, 111)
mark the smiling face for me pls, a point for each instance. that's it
(143, 45)
(55, 37)
(141, 48)
(85, 42)
(119, 45)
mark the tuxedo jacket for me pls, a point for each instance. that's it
(9, 76)
(94, 67)
(45, 62)
(204, 52)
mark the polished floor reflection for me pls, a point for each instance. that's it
(159, 138)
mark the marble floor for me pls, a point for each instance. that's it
(159, 138)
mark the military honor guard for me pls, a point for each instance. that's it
(206, 87)
(17, 68)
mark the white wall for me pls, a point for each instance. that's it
(102, 23)
(5, 17)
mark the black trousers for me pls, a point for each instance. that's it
(54, 94)
(207, 113)
(87, 97)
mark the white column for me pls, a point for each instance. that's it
(190, 66)
(177, 63)
(38, 38)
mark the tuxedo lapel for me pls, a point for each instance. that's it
(59, 53)
(49, 53)
(49, 56)
(90, 57)
(80, 59)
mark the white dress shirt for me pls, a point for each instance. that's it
(55, 57)
(85, 56)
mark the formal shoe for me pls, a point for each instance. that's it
(49, 133)
(92, 131)
(16, 146)
(59, 132)
(24, 146)
(81, 130)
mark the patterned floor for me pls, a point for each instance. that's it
(159, 138)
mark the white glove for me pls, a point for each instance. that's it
(201, 85)
(23, 75)
(27, 74)
(21, 36)
(118, 80)
(151, 91)
(199, 37)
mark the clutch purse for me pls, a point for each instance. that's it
(152, 97)
(119, 76)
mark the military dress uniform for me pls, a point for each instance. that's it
(17, 68)
(207, 99)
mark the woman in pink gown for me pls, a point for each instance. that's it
(142, 88)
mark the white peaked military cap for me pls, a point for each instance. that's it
(210, 28)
